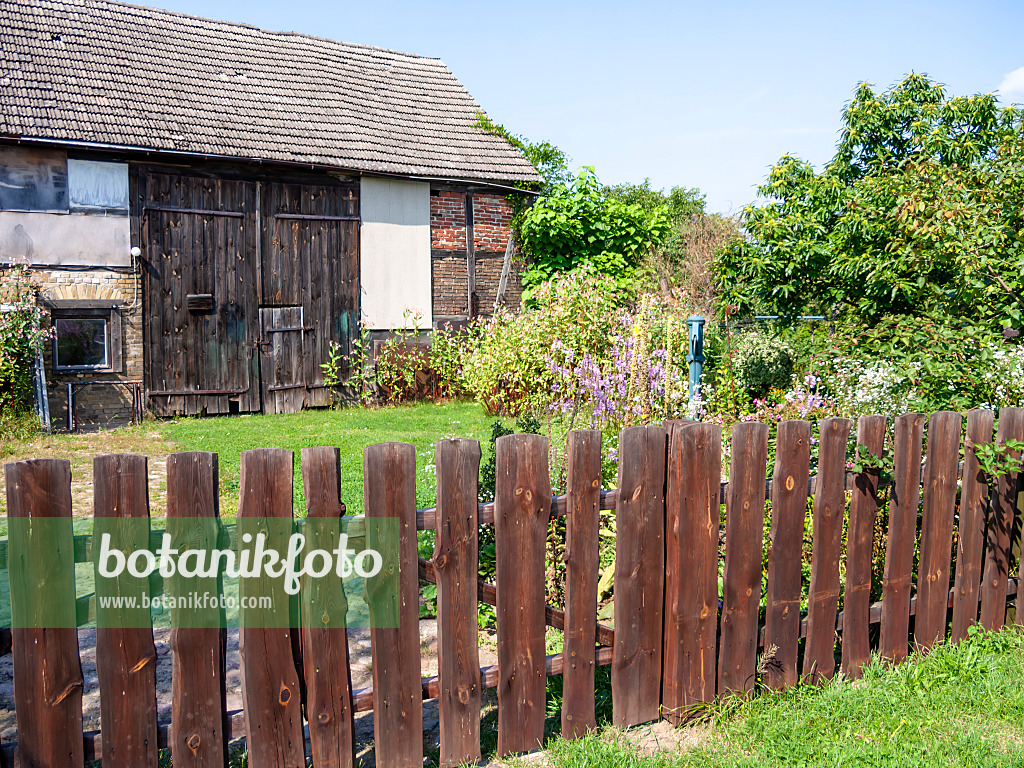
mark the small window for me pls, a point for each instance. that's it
(86, 338)
(33, 180)
(97, 186)
(82, 342)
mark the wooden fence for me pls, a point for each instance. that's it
(678, 640)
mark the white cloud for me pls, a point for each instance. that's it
(1013, 83)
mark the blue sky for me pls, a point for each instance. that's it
(706, 95)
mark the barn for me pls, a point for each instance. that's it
(209, 205)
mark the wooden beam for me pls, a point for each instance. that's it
(470, 258)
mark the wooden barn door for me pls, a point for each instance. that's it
(310, 266)
(281, 360)
(201, 324)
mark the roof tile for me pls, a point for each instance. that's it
(121, 74)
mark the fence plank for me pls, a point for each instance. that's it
(827, 522)
(389, 491)
(456, 565)
(691, 568)
(639, 576)
(327, 675)
(521, 513)
(270, 682)
(47, 669)
(744, 537)
(860, 535)
(970, 545)
(199, 721)
(789, 513)
(125, 651)
(899, 550)
(940, 486)
(583, 488)
(999, 540)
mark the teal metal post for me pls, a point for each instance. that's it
(696, 355)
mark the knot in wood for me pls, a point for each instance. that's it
(285, 696)
(323, 718)
(790, 483)
(596, 483)
(441, 561)
(193, 742)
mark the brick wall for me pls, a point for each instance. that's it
(449, 281)
(448, 220)
(492, 218)
(103, 405)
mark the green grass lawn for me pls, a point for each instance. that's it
(350, 429)
(958, 706)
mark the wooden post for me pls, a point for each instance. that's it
(744, 535)
(899, 549)
(471, 297)
(789, 512)
(389, 491)
(829, 509)
(970, 543)
(325, 658)
(270, 682)
(456, 566)
(860, 536)
(522, 503)
(583, 488)
(199, 725)
(639, 576)
(125, 652)
(47, 669)
(998, 543)
(940, 481)
(691, 568)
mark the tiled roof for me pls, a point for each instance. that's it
(110, 73)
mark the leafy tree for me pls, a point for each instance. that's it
(576, 226)
(681, 203)
(551, 162)
(919, 212)
(576, 222)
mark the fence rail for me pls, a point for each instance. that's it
(679, 638)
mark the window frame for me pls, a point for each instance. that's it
(109, 311)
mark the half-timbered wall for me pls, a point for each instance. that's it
(491, 223)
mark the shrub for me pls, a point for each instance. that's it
(506, 367)
(762, 363)
(923, 364)
(578, 226)
(22, 333)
